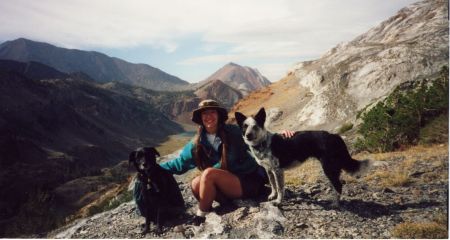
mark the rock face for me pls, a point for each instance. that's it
(368, 209)
(409, 46)
(100, 67)
(244, 79)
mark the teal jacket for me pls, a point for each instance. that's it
(239, 159)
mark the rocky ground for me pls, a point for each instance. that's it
(403, 187)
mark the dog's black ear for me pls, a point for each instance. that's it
(150, 154)
(240, 118)
(154, 151)
(260, 117)
(132, 157)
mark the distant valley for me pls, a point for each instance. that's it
(55, 127)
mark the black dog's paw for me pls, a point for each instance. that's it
(198, 220)
(145, 229)
(158, 230)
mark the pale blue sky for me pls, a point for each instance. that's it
(191, 39)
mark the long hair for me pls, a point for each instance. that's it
(201, 154)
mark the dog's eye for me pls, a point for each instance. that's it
(245, 126)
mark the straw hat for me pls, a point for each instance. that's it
(209, 104)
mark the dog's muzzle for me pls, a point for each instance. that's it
(249, 137)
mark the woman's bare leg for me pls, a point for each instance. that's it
(213, 183)
(195, 187)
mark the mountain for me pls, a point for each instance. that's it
(180, 104)
(104, 69)
(55, 128)
(244, 79)
(219, 91)
(100, 67)
(326, 93)
(174, 105)
(32, 70)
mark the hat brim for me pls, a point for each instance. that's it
(197, 118)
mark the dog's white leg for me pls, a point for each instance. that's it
(272, 177)
(279, 181)
(336, 199)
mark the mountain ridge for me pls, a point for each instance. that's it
(329, 91)
(103, 69)
(99, 66)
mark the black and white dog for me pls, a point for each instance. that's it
(274, 152)
(156, 192)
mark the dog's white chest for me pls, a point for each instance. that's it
(265, 159)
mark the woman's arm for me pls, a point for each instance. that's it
(182, 163)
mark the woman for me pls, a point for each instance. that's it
(228, 171)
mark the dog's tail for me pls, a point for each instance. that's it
(358, 168)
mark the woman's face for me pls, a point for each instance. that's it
(210, 118)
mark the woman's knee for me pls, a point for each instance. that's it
(195, 185)
(209, 175)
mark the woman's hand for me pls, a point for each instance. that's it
(287, 133)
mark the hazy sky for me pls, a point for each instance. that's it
(191, 39)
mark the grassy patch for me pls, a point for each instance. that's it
(174, 143)
(397, 176)
(299, 174)
(420, 230)
(345, 127)
(111, 202)
(390, 179)
(408, 162)
(436, 131)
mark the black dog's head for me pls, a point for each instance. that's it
(144, 159)
(252, 128)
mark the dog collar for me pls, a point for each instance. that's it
(261, 146)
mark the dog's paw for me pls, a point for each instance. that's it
(272, 196)
(276, 202)
(158, 230)
(197, 221)
(145, 229)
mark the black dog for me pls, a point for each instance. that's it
(156, 192)
(274, 152)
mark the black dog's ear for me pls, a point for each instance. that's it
(154, 151)
(132, 160)
(132, 157)
(150, 153)
(260, 117)
(240, 118)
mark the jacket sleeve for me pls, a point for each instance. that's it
(183, 163)
(217, 165)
